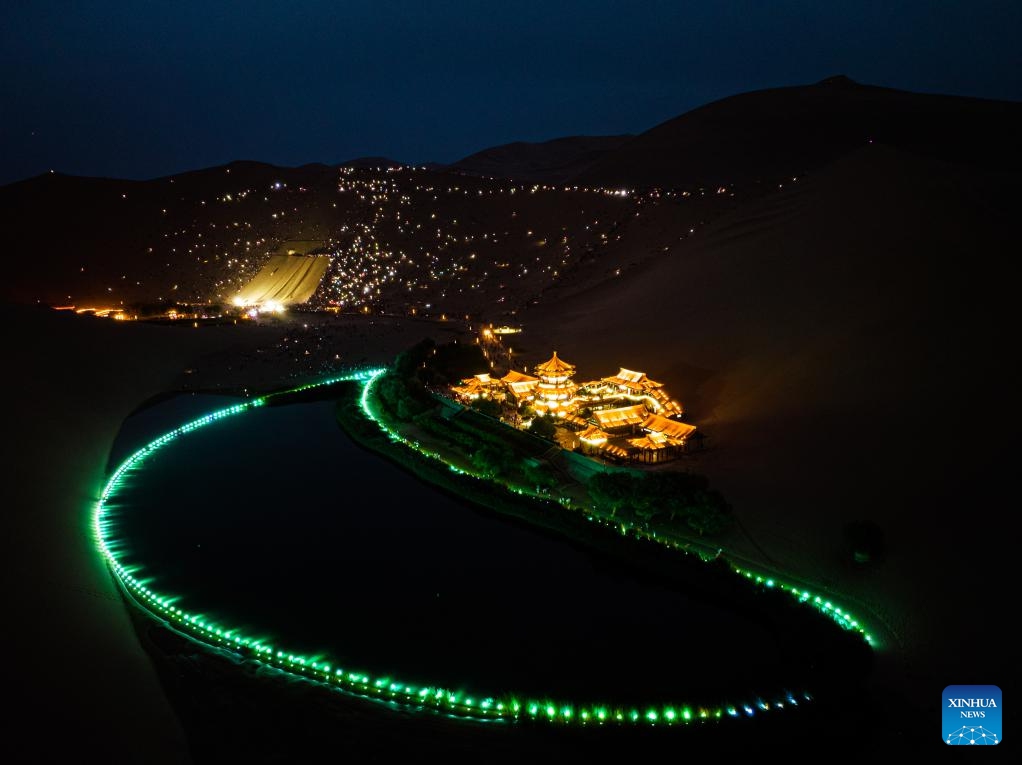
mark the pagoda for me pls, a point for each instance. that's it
(555, 392)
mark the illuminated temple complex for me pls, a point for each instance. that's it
(625, 417)
(555, 392)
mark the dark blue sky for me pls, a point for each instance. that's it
(141, 89)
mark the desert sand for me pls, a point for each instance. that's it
(844, 344)
(69, 384)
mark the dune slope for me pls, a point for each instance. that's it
(845, 346)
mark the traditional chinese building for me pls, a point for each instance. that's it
(521, 387)
(621, 419)
(479, 386)
(627, 417)
(637, 384)
(663, 439)
(593, 440)
(555, 391)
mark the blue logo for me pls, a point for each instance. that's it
(971, 715)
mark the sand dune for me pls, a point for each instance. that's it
(844, 344)
(69, 383)
(767, 135)
(543, 162)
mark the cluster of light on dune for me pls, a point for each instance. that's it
(409, 240)
(505, 707)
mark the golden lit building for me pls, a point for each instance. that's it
(679, 431)
(664, 439)
(638, 385)
(520, 386)
(555, 391)
(480, 386)
(624, 418)
(593, 440)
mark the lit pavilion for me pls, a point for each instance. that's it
(555, 392)
(664, 439)
(638, 385)
(520, 386)
(479, 386)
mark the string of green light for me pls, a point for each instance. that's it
(505, 707)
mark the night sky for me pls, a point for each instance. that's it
(142, 89)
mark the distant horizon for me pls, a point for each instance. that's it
(135, 92)
(400, 161)
(142, 91)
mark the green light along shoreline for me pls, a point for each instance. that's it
(504, 707)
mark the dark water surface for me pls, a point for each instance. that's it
(275, 522)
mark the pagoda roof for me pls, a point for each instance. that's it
(621, 417)
(554, 366)
(668, 406)
(518, 377)
(471, 386)
(521, 388)
(615, 450)
(593, 433)
(653, 441)
(575, 419)
(668, 427)
(633, 380)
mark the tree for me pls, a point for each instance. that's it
(645, 511)
(492, 460)
(408, 362)
(539, 476)
(543, 427)
(487, 406)
(707, 513)
(408, 408)
(609, 491)
(456, 361)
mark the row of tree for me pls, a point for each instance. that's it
(661, 499)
